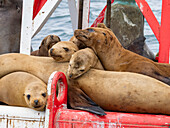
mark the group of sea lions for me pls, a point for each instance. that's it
(101, 74)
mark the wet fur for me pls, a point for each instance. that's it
(23, 89)
(115, 58)
(46, 44)
(62, 51)
(82, 61)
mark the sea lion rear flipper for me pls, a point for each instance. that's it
(79, 100)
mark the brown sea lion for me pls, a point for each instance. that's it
(117, 91)
(79, 44)
(23, 89)
(121, 91)
(46, 44)
(82, 61)
(41, 67)
(63, 50)
(115, 58)
(10, 25)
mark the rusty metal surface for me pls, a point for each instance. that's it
(21, 117)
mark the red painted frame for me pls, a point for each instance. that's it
(61, 117)
(162, 32)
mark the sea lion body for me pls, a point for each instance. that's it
(125, 91)
(82, 61)
(46, 44)
(63, 50)
(111, 90)
(23, 89)
(41, 67)
(115, 58)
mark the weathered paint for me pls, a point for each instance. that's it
(161, 31)
(68, 118)
(26, 27)
(21, 117)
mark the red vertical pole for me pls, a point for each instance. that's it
(38, 4)
(150, 17)
(164, 46)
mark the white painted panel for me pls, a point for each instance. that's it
(73, 13)
(21, 117)
(43, 15)
(26, 27)
(86, 8)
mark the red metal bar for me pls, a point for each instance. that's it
(68, 118)
(161, 32)
(100, 18)
(38, 4)
(150, 17)
(80, 119)
(164, 45)
(55, 102)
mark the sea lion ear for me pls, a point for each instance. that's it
(79, 100)
(59, 39)
(101, 25)
(43, 41)
(23, 94)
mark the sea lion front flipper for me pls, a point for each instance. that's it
(79, 100)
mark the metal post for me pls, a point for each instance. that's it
(80, 18)
(108, 13)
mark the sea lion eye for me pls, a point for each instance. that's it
(82, 70)
(44, 94)
(52, 37)
(66, 49)
(90, 30)
(104, 34)
(28, 96)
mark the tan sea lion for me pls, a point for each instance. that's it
(82, 61)
(23, 89)
(117, 91)
(63, 50)
(79, 44)
(121, 91)
(115, 58)
(46, 44)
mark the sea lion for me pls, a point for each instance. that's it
(46, 44)
(63, 50)
(136, 45)
(41, 67)
(115, 58)
(111, 90)
(79, 44)
(121, 91)
(82, 61)
(23, 89)
(10, 25)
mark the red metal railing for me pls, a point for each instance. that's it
(38, 4)
(61, 117)
(162, 32)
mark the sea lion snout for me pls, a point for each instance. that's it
(36, 102)
(51, 50)
(70, 75)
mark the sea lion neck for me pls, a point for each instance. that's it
(106, 52)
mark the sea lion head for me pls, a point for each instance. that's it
(47, 43)
(36, 96)
(62, 51)
(79, 43)
(80, 63)
(94, 38)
